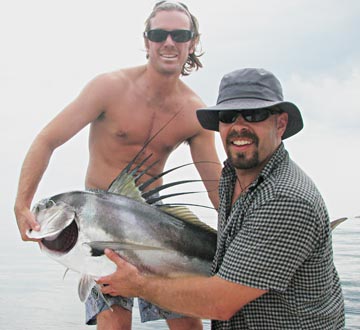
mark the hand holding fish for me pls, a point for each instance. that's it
(26, 221)
(125, 281)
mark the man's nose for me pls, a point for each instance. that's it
(240, 120)
(169, 39)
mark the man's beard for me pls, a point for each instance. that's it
(238, 160)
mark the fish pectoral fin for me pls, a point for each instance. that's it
(85, 286)
(98, 247)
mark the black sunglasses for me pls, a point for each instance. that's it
(251, 116)
(159, 35)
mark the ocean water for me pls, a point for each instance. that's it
(34, 295)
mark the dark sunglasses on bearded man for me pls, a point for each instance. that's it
(251, 116)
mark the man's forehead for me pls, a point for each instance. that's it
(171, 19)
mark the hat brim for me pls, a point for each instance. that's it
(209, 117)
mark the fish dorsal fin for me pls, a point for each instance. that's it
(125, 182)
(183, 213)
(125, 185)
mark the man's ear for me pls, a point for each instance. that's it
(194, 43)
(146, 43)
(282, 123)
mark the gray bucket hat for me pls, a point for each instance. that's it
(249, 89)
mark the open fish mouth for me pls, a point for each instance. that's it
(64, 241)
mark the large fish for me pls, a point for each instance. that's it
(77, 226)
(164, 239)
(170, 240)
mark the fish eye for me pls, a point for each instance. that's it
(38, 208)
(50, 203)
(44, 204)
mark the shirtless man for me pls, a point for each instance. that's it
(125, 108)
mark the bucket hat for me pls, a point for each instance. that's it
(250, 89)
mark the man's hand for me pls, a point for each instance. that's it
(126, 281)
(25, 221)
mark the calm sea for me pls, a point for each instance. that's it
(34, 295)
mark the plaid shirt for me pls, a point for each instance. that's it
(277, 237)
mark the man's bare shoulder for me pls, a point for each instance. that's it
(192, 99)
(108, 81)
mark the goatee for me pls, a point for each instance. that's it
(238, 159)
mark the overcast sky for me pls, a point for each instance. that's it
(51, 49)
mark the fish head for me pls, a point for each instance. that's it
(59, 228)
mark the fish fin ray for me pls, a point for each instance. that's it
(86, 283)
(184, 213)
(147, 183)
(159, 198)
(126, 186)
(189, 204)
(154, 192)
(103, 297)
(146, 170)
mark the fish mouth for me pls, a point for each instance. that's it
(64, 241)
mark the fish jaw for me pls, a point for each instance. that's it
(58, 226)
(52, 218)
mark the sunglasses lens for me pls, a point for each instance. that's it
(255, 116)
(181, 35)
(159, 35)
(227, 116)
(251, 116)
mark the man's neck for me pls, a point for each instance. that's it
(245, 179)
(161, 82)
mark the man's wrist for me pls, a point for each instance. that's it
(142, 281)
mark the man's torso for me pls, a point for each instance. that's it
(276, 238)
(133, 115)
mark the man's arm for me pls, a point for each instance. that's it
(203, 297)
(202, 147)
(86, 108)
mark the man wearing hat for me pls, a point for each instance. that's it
(273, 267)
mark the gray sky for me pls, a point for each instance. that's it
(51, 49)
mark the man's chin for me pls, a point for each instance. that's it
(240, 162)
(170, 70)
